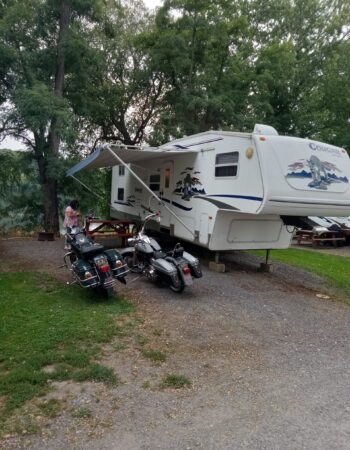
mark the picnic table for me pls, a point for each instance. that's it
(119, 228)
(316, 238)
(346, 232)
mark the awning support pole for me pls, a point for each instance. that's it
(86, 187)
(92, 192)
(107, 147)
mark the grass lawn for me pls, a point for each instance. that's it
(44, 323)
(334, 269)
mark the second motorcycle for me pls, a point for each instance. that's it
(176, 267)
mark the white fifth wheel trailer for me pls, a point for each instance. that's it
(227, 190)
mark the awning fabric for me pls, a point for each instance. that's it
(103, 158)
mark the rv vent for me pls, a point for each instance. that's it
(265, 129)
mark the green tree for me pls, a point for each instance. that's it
(119, 98)
(20, 200)
(231, 64)
(38, 40)
(299, 67)
(20, 196)
(202, 47)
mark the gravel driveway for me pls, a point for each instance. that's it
(268, 361)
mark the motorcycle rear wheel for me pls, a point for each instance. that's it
(108, 292)
(177, 288)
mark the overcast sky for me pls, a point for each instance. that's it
(152, 3)
(15, 145)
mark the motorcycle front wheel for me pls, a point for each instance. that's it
(72, 258)
(129, 261)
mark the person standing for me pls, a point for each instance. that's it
(71, 215)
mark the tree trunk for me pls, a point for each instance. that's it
(50, 185)
(51, 205)
(64, 21)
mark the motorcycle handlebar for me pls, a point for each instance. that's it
(157, 214)
(151, 215)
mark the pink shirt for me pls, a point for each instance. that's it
(70, 217)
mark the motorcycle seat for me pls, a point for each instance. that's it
(177, 252)
(159, 254)
(90, 249)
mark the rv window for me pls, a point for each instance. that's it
(167, 177)
(226, 164)
(121, 170)
(120, 194)
(154, 182)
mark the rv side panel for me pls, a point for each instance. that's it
(303, 177)
(245, 231)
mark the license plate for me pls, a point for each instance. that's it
(188, 279)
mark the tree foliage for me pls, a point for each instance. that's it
(232, 64)
(119, 97)
(21, 197)
(35, 36)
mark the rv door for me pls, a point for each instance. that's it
(166, 190)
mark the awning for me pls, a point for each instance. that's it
(102, 157)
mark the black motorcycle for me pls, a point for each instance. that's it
(91, 265)
(176, 268)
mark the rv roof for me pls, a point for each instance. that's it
(199, 139)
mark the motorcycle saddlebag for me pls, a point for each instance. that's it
(85, 273)
(167, 269)
(193, 264)
(116, 262)
(164, 267)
